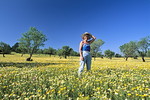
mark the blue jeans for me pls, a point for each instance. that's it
(87, 61)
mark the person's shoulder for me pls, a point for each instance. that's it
(81, 42)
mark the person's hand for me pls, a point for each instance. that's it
(81, 58)
(93, 37)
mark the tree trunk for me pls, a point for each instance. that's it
(65, 57)
(143, 59)
(3, 55)
(29, 59)
(94, 58)
(22, 55)
(126, 58)
(30, 55)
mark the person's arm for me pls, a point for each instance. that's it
(92, 39)
(80, 50)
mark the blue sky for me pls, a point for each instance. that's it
(63, 21)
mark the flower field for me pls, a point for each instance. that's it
(51, 78)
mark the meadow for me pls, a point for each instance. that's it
(51, 78)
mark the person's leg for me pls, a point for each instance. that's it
(82, 64)
(81, 68)
(88, 62)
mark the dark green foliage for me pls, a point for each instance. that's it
(143, 47)
(50, 51)
(65, 51)
(40, 51)
(15, 47)
(148, 53)
(74, 53)
(31, 41)
(109, 54)
(117, 55)
(5, 48)
(60, 53)
(95, 47)
(129, 49)
(99, 54)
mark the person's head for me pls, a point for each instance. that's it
(86, 36)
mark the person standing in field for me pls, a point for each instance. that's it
(84, 50)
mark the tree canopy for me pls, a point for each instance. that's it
(5, 48)
(143, 47)
(95, 47)
(31, 41)
(109, 54)
(129, 49)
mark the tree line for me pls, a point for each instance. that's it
(33, 39)
(137, 48)
(65, 51)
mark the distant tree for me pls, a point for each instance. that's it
(95, 47)
(31, 41)
(148, 53)
(143, 47)
(66, 51)
(5, 48)
(129, 49)
(135, 56)
(45, 51)
(50, 51)
(99, 54)
(109, 54)
(60, 53)
(15, 47)
(40, 51)
(117, 55)
(70, 52)
(74, 53)
(22, 50)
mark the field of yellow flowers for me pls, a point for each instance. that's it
(51, 78)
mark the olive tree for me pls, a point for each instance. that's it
(148, 53)
(95, 47)
(109, 54)
(60, 53)
(143, 47)
(129, 49)
(65, 51)
(14, 48)
(31, 41)
(50, 51)
(5, 48)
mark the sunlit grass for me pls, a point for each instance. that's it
(114, 79)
